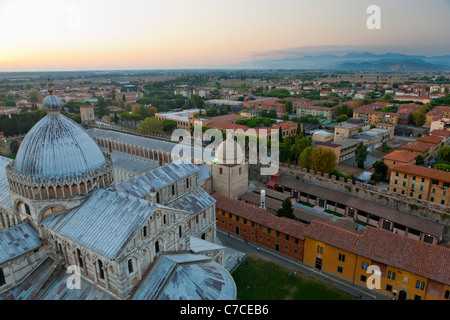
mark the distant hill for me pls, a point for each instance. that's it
(353, 61)
(392, 66)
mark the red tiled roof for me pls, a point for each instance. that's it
(430, 139)
(227, 117)
(332, 235)
(418, 257)
(424, 172)
(440, 133)
(226, 125)
(417, 146)
(401, 155)
(261, 216)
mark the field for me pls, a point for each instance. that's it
(261, 279)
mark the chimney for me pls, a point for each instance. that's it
(263, 199)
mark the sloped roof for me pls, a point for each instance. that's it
(104, 223)
(16, 241)
(401, 155)
(186, 277)
(424, 172)
(158, 178)
(418, 257)
(261, 216)
(5, 200)
(193, 202)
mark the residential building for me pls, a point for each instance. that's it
(438, 113)
(422, 183)
(336, 148)
(350, 128)
(407, 269)
(419, 148)
(436, 142)
(399, 158)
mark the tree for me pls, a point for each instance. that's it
(380, 170)
(444, 154)
(304, 161)
(342, 118)
(272, 114)
(300, 144)
(419, 118)
(420, 161)
(361, 153)
(289, 107)
(151, 125)
(323, 160)
(286, 209)
(33, 96)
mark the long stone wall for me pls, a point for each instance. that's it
(391, 199)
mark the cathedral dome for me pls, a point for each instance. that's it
(229, 152)
(57, 146)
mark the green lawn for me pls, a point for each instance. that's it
(261, 279)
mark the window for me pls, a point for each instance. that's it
(423, 179)
(391, 275)
(416, 297)
(296, 241)
(252, 224)
(173, 190)
(27, 209)
(220, 171)
(446, 295)
(433, 181)
(389, 288)
(278, 233)
(364, 266)
(269, 231)
(319, 249)
(157, 197)
(180, 233)
(414, 178)
(287, 237)
(363, 278)
(405, 176)
(187, 183)
(341, 257)
(420, 285)
(340, 269)
(3, 280)
(101, 272)
(80, 258)
(130, 266)
(144, 231)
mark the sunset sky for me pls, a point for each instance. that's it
(134, 34)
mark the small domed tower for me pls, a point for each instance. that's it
(230, 171)
(57, 166)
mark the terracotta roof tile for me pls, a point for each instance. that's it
(261, 216)
(424, 172)
(401, 155)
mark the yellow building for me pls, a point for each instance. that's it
(400, 267)
(421, 183)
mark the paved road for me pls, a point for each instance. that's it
(237, 243)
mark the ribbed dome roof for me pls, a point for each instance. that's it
(57, 146)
